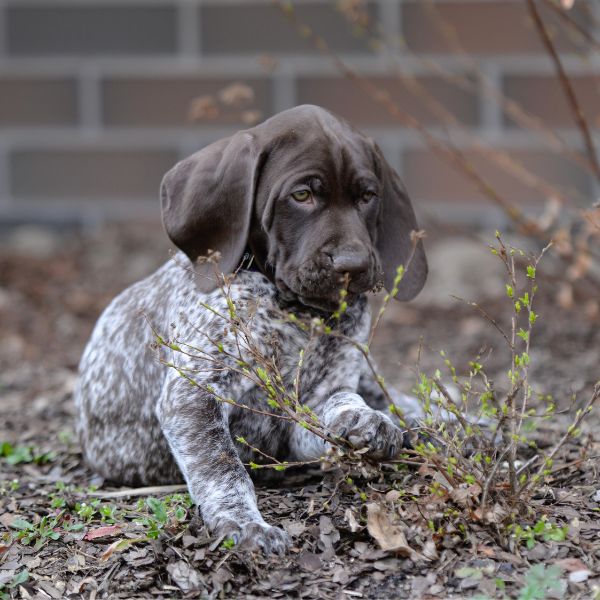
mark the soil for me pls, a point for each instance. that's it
(53, 285)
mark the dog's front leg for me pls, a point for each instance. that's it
(194, 423)
(346, 415)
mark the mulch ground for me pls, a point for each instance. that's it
(62, 534)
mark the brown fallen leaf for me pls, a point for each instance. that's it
(309, 561)
(184, 576)
(486, 550)
(7, 519)
(388, 536)
(571, 564)
(120, 545)
(101, 532)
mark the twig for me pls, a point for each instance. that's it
(414, 238)
(143, 491)
(447, 152)
(457, 413)
(571, 22)
(487, 316)
(580, 416)
(566, 85)
(509, 105)
(490, 477)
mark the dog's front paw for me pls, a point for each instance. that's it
(368, 428)
(255, 536)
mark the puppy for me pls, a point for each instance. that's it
(314, 203)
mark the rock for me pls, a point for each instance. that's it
(34, 241)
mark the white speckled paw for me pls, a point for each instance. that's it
(255, 536)
(368, 428)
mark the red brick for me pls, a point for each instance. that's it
(481, 27)
(86, 30)
(544, 97)
(429, 178)
(30, 101)
(261, 27)
(347, 99)
(165, 102)
(85, 173)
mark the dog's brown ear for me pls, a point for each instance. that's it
(396, 222)
(207, 202)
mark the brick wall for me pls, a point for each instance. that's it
(95, 94)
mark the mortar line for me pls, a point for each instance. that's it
(284, 92)
(3, 29)
(89, 96)
(188, 28)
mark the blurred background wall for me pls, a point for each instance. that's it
(99, 98)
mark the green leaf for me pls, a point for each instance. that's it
(19, 578)
(158, 509)
(22, 525)
(6, 449)
(471, 572)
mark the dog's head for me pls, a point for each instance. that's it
(314, 199)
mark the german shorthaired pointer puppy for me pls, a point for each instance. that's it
(315, 203)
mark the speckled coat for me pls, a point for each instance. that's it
(141, 423)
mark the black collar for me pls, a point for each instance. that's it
(248, 262)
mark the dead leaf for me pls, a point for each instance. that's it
(430, 550)
(203, 108)
(464, 493)
(309, 561)
(102, 532)
(387, 564)
(7, 519)
(294, 528)
(571, 564)
(351, 519)
(392, 496)
(486, 550)
(185, 577)
(236, 94)
(119, 546)
(388, 535)
(493, 514)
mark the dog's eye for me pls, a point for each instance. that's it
(301, 195)
(369, 196)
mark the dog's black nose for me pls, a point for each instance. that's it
(351, 261)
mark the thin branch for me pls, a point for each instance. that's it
(581, 414)
(487, 316)
(143, 491)
(567, 86)
(571, 22)
(447, 152)
(490, 477)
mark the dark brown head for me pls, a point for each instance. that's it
(314, 199)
